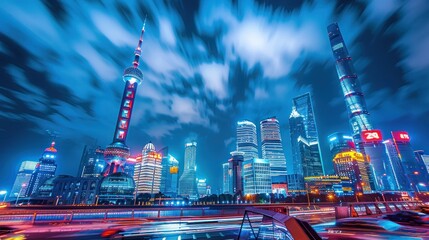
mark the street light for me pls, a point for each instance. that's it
(5, 194)
(19, 194)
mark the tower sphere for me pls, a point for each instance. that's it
(133, 75)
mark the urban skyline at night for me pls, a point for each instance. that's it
(205, 67)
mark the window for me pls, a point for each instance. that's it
(129, 94)
(121, 134)
(128, 103)
(123, 124)
(125, 113)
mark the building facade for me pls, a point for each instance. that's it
(22, 179)
(257, 176)
(235, 173)
(353, 95)
(423, 158)
(93, 162)
(340, 142)
(272, 148)
(45, 169)
(329, 184)
(147, 173)
(297, 130)
(202, 187)
(187, 182)
(414, 169)
(295, 183)
(354, 166)
(169, 175)
(226, 177)
(247, 141)
(304, 106)
(310, 158)
(398, 174)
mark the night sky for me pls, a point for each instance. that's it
(206, 65)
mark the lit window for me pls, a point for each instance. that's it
(121, 134)
(125, 113)
(123, 124)
(128, 103)
(129, 94)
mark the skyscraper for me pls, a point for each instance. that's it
(93, 162)
(353, 165)
(235, 173)
(353, 95)
(414, 170)
(310, 158)
(23, 178)
(226, 178)
(398, 174)
(340, 142)
(169, 176)
(257, 176)
(297, 130)
(187, 182)
(272, 148)
(247, 141)
(202, 187)
(147, 174)
(422, 157)
(379, 161)
(45, 169)
(117, 152)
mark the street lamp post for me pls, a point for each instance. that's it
(19, 193)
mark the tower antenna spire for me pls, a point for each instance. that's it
(138, 50)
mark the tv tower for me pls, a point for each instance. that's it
(117, 152)
(355, 100)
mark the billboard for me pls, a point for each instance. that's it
(401, 136)
(372, 136)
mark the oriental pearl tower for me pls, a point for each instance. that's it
(117, 152)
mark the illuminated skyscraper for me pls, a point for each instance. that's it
(304, 106)
(340, 142)
(310, 158)
(247, 141)
(117, 152)
(398, 174)
(187, 182)
(226, 177)
(23, 178)
(353, 95)
(169, 176)
(44, 170)
(422, 157)
(257, 176)
(202, 187)
(353, 165)
(93, 162)
(272, 148)
(414, 169)
(297, 130)
(147, 174)
(235, 173)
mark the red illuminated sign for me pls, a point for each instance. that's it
(401, 136)
(372, 136)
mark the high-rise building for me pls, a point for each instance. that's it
(257, 176)
(422, 157)
(147, 174)
(295, 183)
(414, 169)
(310, 158)
(44, 170)
(117, 152)
(247, 141)
(23, 178)
(353, 95)
(226, 183)
(304, 106)
(235, 173)
(340, 142)
(93, 162)
(169, 176)
(398, 174)
(297, 130)
(202, 187)
(375, 151)
(187, 182)
(272, 148)
(353, 165)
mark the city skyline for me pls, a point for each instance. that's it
(198, 83)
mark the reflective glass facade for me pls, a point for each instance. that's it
(257, 176)
(354, 166)
(187, 182)
(297, 130)
(247, 141)
(272, 148)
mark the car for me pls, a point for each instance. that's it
(111, 232)
(411, 217)
(424, 209)
(368, 229)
